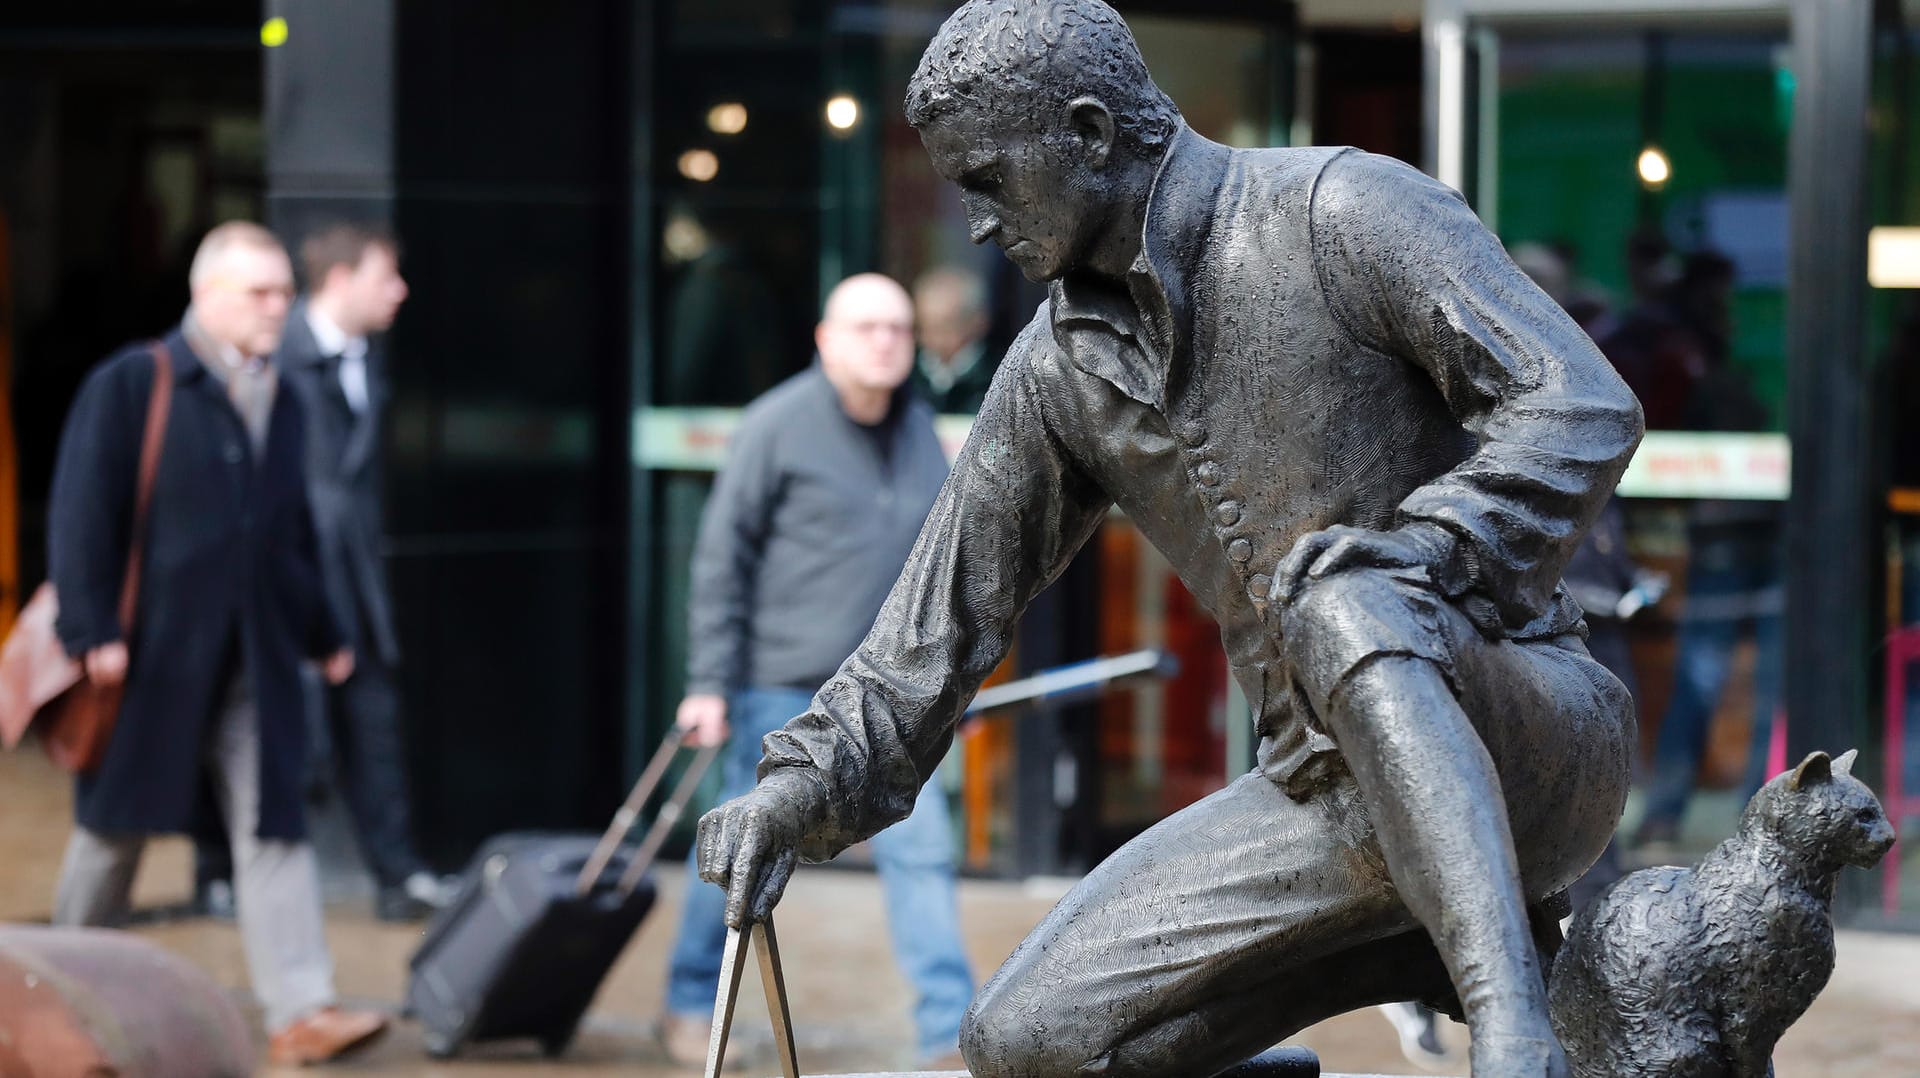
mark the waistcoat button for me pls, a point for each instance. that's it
(1260, 586)
(1208, 473)
(1240, 550)
(1228, 514)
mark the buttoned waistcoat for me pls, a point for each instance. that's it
(1309, 337)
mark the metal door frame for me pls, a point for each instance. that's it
(1452, 29)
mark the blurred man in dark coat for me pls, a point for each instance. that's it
(337, 372)
(228, 608)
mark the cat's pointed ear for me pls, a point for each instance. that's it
(1817, 767)
(1843, 763)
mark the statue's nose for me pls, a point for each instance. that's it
(1879, 841)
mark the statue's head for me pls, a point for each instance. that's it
(1043, 113)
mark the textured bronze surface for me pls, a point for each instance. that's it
(1368, 444)
(1698, 971)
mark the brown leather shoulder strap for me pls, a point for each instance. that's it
(159, 402)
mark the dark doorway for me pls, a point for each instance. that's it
(1366, 92)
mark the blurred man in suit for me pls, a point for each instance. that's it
(336, 369)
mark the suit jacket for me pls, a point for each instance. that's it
(343, 470)
(1309, 337)
(228, 574)
(964, 394)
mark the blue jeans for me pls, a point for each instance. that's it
(915, 862)
(1726, 592)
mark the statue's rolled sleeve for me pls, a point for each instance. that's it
(1411, 272)
(1012, 514)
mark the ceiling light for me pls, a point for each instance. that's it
(843, 112)
(727, 118)
(699, 165)
(1655, 169)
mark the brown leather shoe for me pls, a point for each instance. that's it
(323, 1035)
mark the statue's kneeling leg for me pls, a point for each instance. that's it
(1492, 771)
(1225, 928)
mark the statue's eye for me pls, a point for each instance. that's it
(1865, 815)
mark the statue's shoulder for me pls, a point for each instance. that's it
(1340, 188)
(1352, 181)
(1286, 173)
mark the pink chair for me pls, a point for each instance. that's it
(1903, 649)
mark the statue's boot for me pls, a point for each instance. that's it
(1429, 783)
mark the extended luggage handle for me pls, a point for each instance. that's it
(760, 934)
(629, 815)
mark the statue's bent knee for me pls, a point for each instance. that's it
(1009, 1033)
(999, 1041)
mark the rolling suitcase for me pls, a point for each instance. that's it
(537, 921)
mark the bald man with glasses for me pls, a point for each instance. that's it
(228, 606)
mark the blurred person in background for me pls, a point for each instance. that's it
(229, 605)
(1661, 356)
(1733, 577)
(333, 362)
(1602, 576)
(826, 485)
(1902, 367)
(953, 368)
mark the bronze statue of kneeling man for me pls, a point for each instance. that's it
(1368, 444)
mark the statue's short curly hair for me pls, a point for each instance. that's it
(991, 54)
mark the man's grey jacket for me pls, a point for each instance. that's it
(803, 534)
(344, 484)
(1310, 337)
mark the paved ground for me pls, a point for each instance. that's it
(850, 1006)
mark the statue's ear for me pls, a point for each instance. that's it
(1843, 763)
(1817, 767)
(1093, 121)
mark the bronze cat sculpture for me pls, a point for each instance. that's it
(1695, 973)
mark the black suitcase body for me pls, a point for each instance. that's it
(519, 952)
(538, 920)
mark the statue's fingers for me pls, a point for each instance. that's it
(716, 847)
(742, 885)
(1345, 552)
(1306, 550)
(774, 885)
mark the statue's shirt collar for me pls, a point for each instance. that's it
(1132, 337)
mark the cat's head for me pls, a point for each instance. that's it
(1822, 814)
